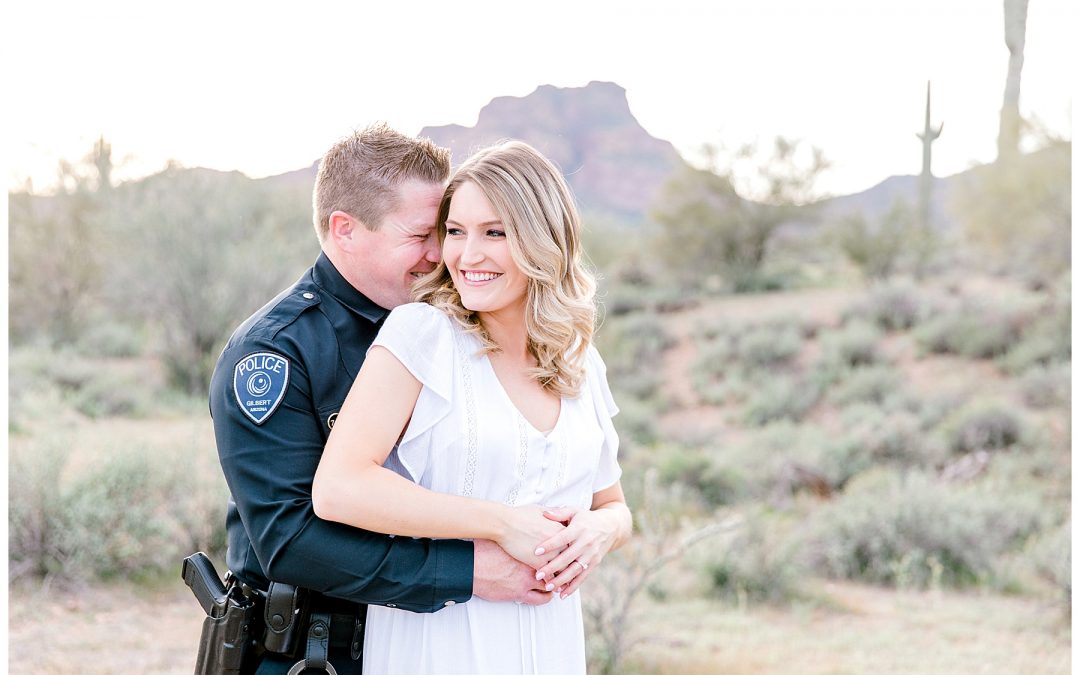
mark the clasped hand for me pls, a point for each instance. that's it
(571, 542)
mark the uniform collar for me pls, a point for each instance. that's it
(327, 277)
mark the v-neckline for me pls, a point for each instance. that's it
(507, 397)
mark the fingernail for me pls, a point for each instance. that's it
(540, 551)
(539, 576)
(549, 587)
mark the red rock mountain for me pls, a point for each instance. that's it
(614, 166)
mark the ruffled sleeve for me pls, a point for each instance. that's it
(608, 470)
(421, 337)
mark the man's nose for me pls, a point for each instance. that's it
(432, 253)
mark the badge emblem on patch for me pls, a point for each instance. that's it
(259, 382)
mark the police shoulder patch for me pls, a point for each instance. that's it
(259, 382)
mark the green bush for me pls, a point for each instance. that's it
(973, 331)
(891, 306)
(111, 339)
(632, 347)
(910, 531)
(133, 514)
(1052, 557)
(983, 425)
(114, 394)
(783, 397)
(888, 436)
(768, 345)
(1047, 341)
(853, 345)
(695, 469)
(754, 566)
(35, 526)
(1047, 387)
(871, 384)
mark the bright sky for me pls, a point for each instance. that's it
(266, 87)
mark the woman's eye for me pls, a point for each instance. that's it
(453, 231)
(496, 233)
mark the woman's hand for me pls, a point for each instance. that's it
(523, 527)
(587, 538)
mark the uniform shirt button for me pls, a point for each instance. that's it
(449, 603)
(544, 465)
(309, 296)
(539, 489)
(390, 604)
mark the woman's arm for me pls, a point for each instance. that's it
(588, 537)
(351, 485)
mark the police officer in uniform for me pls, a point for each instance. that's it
(280, 381)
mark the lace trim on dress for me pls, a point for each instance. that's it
(522, 460)
(471, 445)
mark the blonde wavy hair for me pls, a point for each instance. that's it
(543, 230)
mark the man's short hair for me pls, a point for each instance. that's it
(360, 174)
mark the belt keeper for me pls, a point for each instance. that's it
(356, 644)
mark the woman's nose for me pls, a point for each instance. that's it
(473, 251)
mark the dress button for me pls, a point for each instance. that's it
(449, 603)
(309, 296)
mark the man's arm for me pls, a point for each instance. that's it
(269, 468)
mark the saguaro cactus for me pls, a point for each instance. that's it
(1015, 37)
(928, 136)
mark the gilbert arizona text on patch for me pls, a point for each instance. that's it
(259, 382)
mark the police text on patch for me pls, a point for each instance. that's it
(259, 383)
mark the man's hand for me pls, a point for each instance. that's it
(500, 578)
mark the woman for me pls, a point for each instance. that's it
(505, 409)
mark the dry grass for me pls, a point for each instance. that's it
(849, 629)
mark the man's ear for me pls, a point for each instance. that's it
(344, 230)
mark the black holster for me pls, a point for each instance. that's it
(227, 639)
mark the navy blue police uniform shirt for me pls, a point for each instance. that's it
(276, 390)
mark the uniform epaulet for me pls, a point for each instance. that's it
(288, 308)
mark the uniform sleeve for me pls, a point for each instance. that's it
(609, 470)
(269, 468)
(421, 337)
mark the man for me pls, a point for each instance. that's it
(282, 378)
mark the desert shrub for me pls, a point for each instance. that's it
(853, 345)
(632, 347)
(752, 566)
(114, 394)
(111, 339)
(34, 507)
(888, 436)
(783, 397)
(1047, 387)
(1052, 558)
(1046, 341)
(892, 306)
(972, 331)
(133, 514)
(768, 345)
(872, 384)
(636, 422)
(714, 485)
(909, 531)
(983, 425)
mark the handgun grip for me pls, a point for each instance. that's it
(201, 576)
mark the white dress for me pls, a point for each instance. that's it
(466, 437)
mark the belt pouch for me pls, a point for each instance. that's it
(283, 614)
